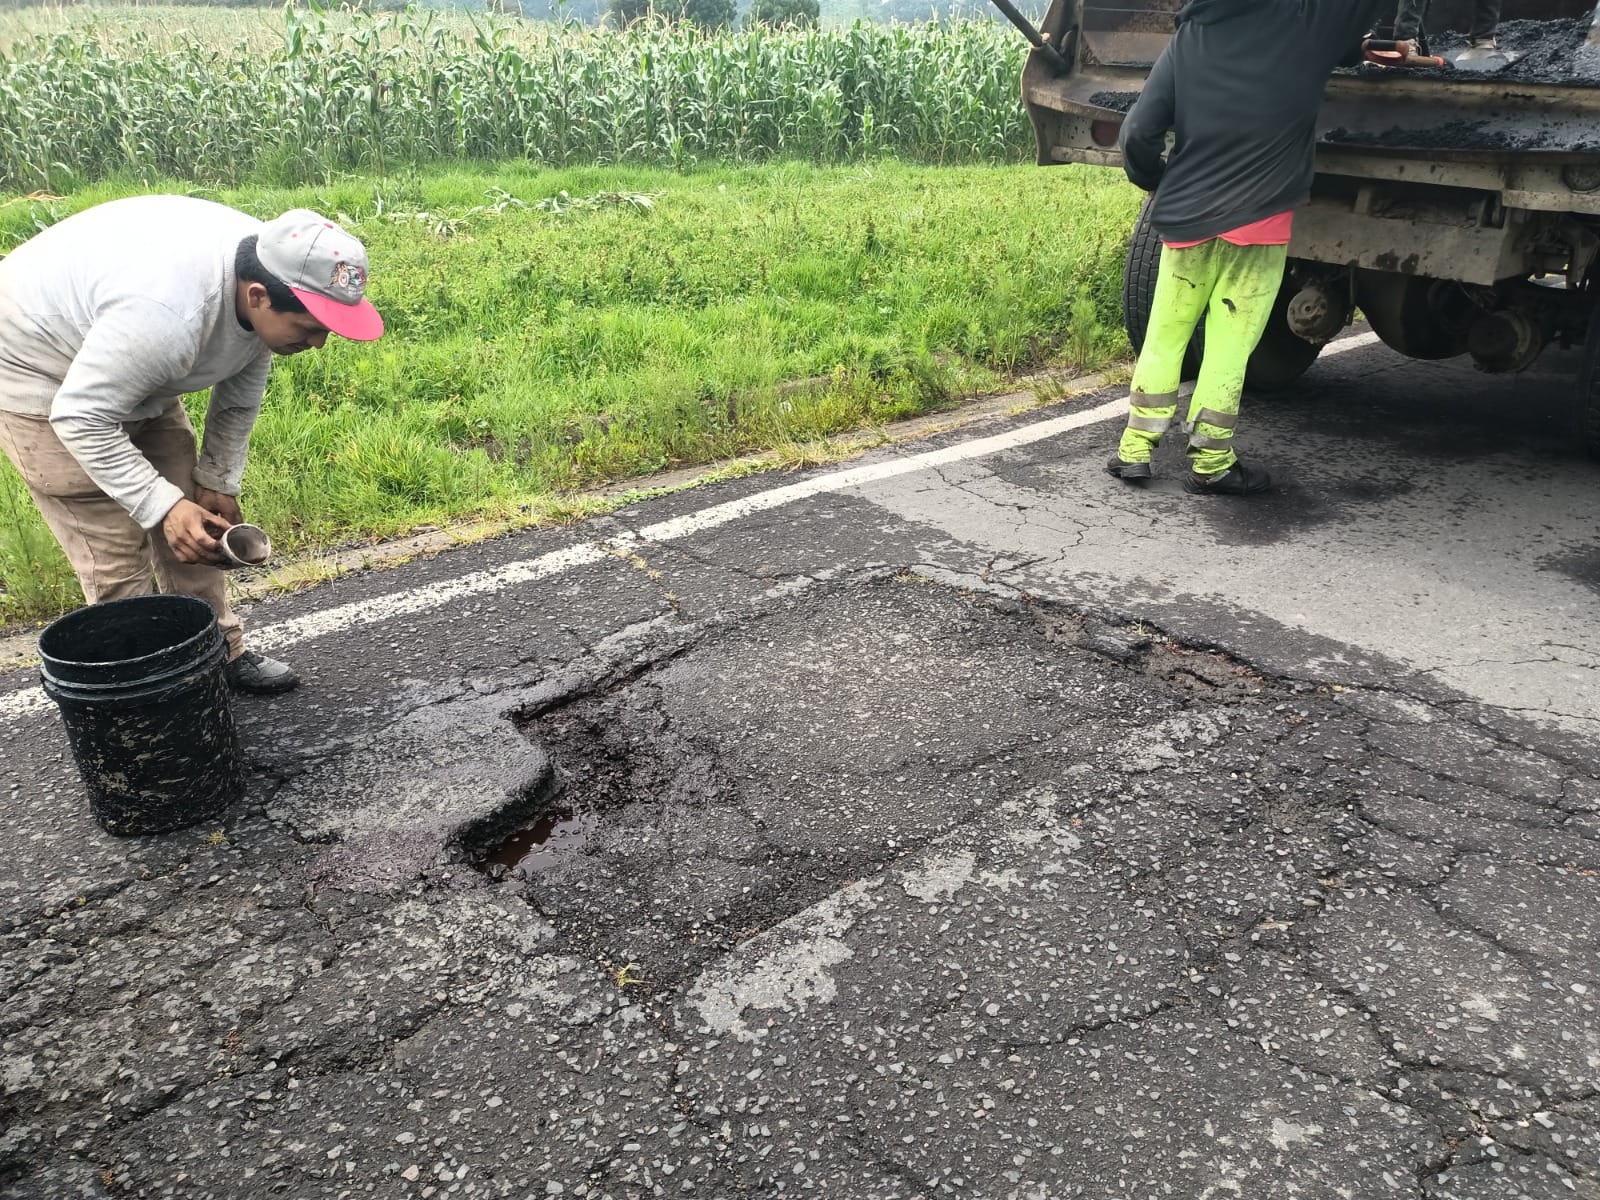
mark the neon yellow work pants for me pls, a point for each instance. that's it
(1234, 288)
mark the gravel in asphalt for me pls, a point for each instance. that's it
(986, 830)
(897, 885)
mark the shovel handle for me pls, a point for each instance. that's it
(1035, 38)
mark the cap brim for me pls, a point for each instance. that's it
(359, 322)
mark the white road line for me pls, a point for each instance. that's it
(434, 595)
(438, 594)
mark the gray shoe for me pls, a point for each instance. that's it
(252, 672)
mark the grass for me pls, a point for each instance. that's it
(533, 351)
(231, 99)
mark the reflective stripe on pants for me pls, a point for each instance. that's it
(1234, 288)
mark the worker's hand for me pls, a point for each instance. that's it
(192, 533)
(225, 506)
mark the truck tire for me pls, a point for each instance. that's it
(1139, 290)
(1589, 383)
(1139, 271)
(1403, 313)
(1282, 355)
(1280, 359)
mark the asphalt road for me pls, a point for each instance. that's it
(954, 822)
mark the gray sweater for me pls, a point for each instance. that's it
(112, 315)
(1239, 84)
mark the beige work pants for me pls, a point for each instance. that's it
(112, 556)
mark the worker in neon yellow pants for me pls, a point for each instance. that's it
(1227, 153)
(1234, 288)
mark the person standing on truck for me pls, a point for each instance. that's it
(1239, 85)
(106, 320)
(1411, 14)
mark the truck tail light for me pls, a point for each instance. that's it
(1104, 133)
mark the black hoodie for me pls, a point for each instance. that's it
(1240, 84)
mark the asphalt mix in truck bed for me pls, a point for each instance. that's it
(1542, 52)
(1116, 101)
(1545, 52)
(1487, 135)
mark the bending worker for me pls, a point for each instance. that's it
(1239, 84)
(106, 320)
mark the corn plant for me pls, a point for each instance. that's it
(382, 92)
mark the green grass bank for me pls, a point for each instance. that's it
(649, 319)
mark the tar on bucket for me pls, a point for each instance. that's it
(140, 687)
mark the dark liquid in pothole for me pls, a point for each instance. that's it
(536, 847)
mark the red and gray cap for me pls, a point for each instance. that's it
(325, 267)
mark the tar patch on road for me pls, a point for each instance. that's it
(1298, 505)
(1581, 566)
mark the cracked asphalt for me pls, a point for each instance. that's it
(992, 829)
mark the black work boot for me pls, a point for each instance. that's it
(1128, 472)
(1241, 479)
(252, 672)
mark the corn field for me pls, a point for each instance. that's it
(382, 92)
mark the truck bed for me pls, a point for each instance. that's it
(1543, 108)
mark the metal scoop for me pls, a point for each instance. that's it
(245, 546)
(1480, 60)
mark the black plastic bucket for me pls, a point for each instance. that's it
(140, 687)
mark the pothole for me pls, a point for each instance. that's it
(1181, 669)
(715, 792)
(537, 847)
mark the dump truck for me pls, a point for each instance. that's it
(1456, 209)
